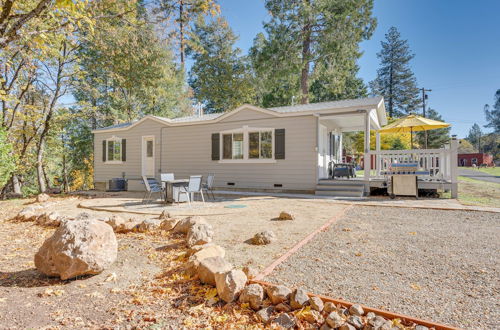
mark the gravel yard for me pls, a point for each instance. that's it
(432, 264)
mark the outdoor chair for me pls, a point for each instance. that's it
(166, 177)
(152, 186)
(194, 186)
(208, 186)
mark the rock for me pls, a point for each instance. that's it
(186, 223)
(325, 326)
(329, 307)
(285, 320)
(209, 266)
(168, 224)
(250, 272)
(370, 315)
(334, 320)
(282, 307)
(356, 321)
(347, 326)
(376, 322)
(286, 216)
(28, 213)
(253, 294)
(356, 309)
(148, 225)
(127, 225)
(164, 215)
(264, 315)
(41, 198)
(52, 219)
(77, 248)
(230, 284)
(313, 317)
(208, 252)
(421, 327)
(316, 303)
(192, 250)
(83, 216)
(263, 238)
(298, 298)
(278, 293)
(199, 233)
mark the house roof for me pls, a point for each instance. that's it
(294, 110)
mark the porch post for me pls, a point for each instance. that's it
(367, 158)
(378, 158)
(454, 166)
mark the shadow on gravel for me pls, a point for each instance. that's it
(30, 278)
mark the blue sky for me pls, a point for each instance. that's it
(456, 42)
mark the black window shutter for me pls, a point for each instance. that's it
(279, 143)
(124, 150)
(104, 150)
(215, 146)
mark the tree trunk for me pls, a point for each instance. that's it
(306, 51)
(39, 166)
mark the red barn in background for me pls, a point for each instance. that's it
(477, 159)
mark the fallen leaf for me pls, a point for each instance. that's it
(358, 254)
(413, 233)
(415, 286)
(346, 229)
(111, 277)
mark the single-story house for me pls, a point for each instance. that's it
(284, 149)
(478, 158)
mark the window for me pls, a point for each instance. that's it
(149, 148)
(232, 146)
(260, 145)
(247, 145)
(114, 150)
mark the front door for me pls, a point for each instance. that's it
(323, 154)
(148, 156)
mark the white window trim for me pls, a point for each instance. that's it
(114, 139)
(245, 130)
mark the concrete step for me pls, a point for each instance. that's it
(340, 182)
(341, 187)
(340, 193)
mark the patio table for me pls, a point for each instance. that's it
(171, 188)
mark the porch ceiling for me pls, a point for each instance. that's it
(347, 122)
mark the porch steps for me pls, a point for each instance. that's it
(341, 188)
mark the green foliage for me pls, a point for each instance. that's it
(219, 75)
(436, 138)
(311, 47)
(7, 161)
(493, 114)
(474, 136)
(395, 80)
(465, 147)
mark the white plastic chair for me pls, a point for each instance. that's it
(194, 186)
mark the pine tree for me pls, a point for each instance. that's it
(395, 79)
(311, 49)
(474, 136)
(219, 75)
(493, 114)
(435, 138)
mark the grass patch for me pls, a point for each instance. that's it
(489, 170)
(476, 192)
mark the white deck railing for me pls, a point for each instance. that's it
(441, 163)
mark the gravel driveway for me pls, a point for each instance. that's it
(432, 264)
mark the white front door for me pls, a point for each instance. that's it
(323, 154)
(148, 156)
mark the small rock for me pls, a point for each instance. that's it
(282, 307)
(286, 216)
(250, 272)
(192, 250)
(264, 315)
(298, 298)
(209, 266)
(376, 322)
(127, 226)
(421, 327)
(356, 309)
(207, 252)
(356, 321)
(329, 307)
(285, 320)
(313, 317)
(316, 303)
(52, 219)
(41, 198)
(164, 215)
(252, 294)
(28, 213)
(186, 223)
(200, 233)
(347, 326)
(168, 224)
(263, 238)
(370, 315)
(334, 320)
(278, 293)
(325, 326)
(230, 284)
(148, 225)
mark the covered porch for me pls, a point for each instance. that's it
(441, 164)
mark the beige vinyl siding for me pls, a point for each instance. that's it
(187, 151)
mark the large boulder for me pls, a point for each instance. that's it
(210, 266)
(209, 251)
(183, 225)
(41, 198)
(29, 213)
(253, 294)
(263, 238)
(199, 234)
(52, 219)
(77, 248)
(230, 284)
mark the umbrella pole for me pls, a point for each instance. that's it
(411, 137)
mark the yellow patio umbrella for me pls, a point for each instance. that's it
(412, 123)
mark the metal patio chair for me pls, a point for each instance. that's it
(152, 187)
(166, 177)
(208, 186)
(194, 186)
